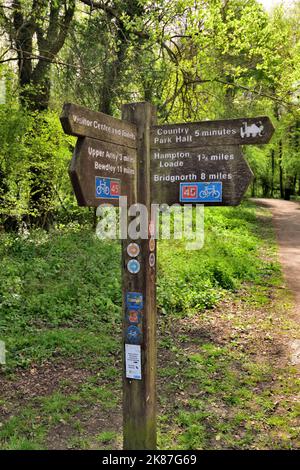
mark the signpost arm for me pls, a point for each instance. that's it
(139, 396)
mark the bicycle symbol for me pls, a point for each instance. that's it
(102, 188)
(209, 191)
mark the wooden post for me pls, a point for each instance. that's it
(215, 174)
(139, 395)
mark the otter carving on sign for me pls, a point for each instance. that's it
(253, 130)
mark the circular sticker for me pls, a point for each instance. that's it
(133, 335)
(134, 317)
(133, 266)
(152, 244)
(152, 260)
(133, 250)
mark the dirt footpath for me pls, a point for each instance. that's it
(286, 218)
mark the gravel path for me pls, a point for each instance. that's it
(286, 217)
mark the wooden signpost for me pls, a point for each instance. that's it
(243, 131)
(111, 167)
(139, 297)
(202, 162)
(194, 163)
(214, 176)
(82, 122)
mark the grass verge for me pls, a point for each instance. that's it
(223, 329)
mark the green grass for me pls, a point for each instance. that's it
(56, 291)
(226, 406)
(191, 281)
(106, 436)
(60, 301)
(34, 422)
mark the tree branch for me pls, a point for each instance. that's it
(102, 6)
(32, 56)
(258, 93)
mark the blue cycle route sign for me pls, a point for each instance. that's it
(201, 192)
(107, 188)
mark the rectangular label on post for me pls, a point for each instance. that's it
(133, 361)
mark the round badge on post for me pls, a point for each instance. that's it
(134, 317)
(152, 244)
(133, 250)
(133, 335)
(151, 260)
(133, 266)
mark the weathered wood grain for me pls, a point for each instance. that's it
(82, 122)
(139, 396)
(93, 158)
(244, 131)
(224, 164)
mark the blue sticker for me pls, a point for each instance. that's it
(133, 266)
(107, 188)
(134, 301)
(201, 192)
(133, 335)
(134, 316)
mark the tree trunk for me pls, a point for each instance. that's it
(48, 27)
(273, 171)
(280, 170)
(253, 189)
(37, 96)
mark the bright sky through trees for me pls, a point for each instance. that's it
(270, 4)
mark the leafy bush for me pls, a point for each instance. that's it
(195, 280)
(60, 290)
(34, 157)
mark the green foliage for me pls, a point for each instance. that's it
(58, 280)
(193, 281)
(57, 288)
(218, 59)
(34, 155)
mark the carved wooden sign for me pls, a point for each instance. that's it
(201, 162)
(82, 122)
(196, 163)
(103, 166)
(214, 176)
(101, 172)
(244, 131)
